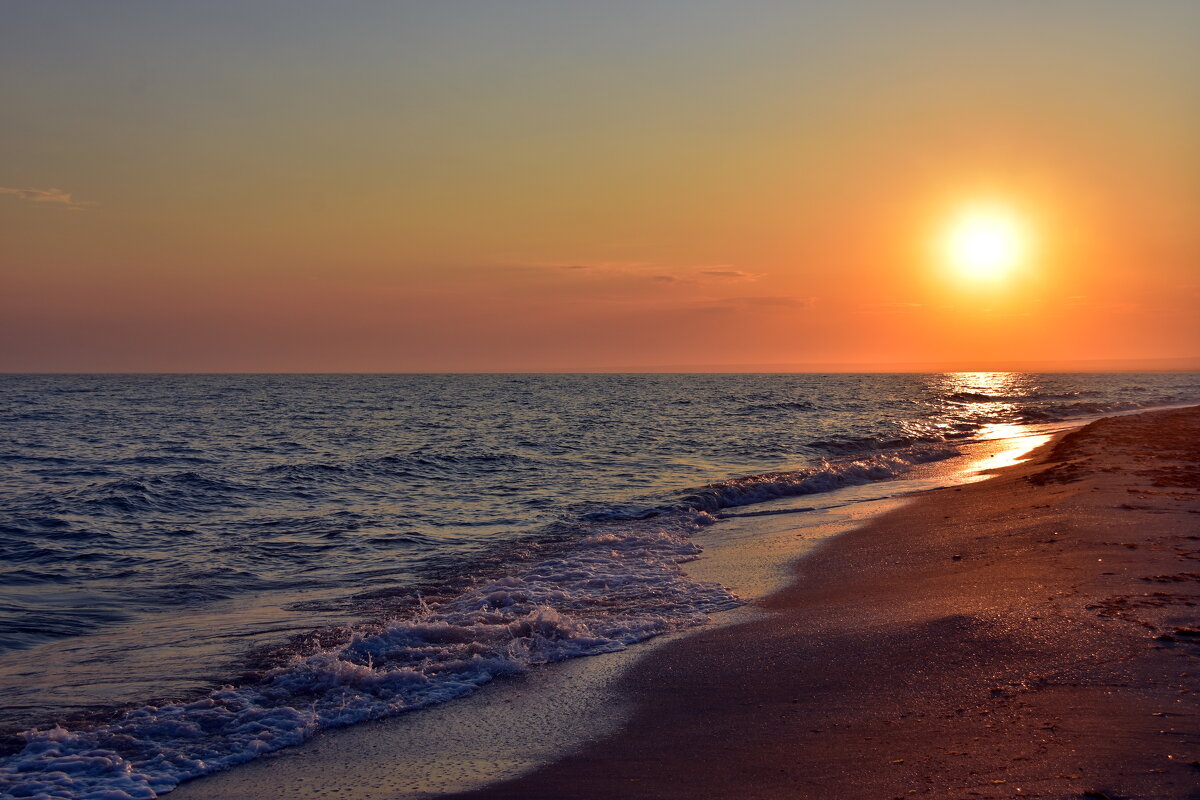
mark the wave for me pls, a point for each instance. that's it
(1071, 410)
(427, 465)
(862, 445)
(983, 397)
(784, 405)
(978, 397)
(197, 491)
(614, 587)
(824, 476)
(174, 492)
(28, 628)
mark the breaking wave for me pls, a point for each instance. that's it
(826, 476)
(617, 586)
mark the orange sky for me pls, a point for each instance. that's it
(546, 186)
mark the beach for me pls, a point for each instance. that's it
(1031, 635)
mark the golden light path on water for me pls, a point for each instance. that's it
(1016, 442)
(1002, 443)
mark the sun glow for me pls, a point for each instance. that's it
(985, 242)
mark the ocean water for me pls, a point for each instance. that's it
(197, 570)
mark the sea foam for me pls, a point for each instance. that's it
(618, 585)
(825, 475)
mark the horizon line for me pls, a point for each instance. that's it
(1175, 364)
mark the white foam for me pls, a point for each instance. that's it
(825, 476)
(620, 585)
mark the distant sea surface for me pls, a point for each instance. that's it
(196, 570)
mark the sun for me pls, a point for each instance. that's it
(985, 241)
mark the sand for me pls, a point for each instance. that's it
(1033, 635)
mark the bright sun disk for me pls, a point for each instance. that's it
(985, 242)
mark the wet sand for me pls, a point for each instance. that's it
(1033, 635)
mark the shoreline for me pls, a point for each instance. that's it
(1032, 635)
(519, 724)
(168, 673)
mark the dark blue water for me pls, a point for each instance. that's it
(163, 535)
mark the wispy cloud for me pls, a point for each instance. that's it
(691, 274)
(732, 274)
(47, 197)
(598, 266)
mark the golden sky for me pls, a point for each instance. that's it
(462, 186)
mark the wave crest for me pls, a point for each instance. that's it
(823, 477)
(617, 586)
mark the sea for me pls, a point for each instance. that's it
(197, 570)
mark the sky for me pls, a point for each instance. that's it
(296, 186)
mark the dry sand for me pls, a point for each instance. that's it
(1034, 635)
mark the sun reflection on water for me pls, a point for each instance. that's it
(988, 395)
(1018, 442)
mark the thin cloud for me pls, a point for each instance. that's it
(645, 270)
(674, 280)
(47, 197)
(733, 274)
